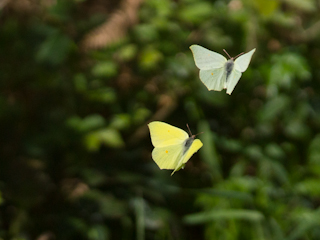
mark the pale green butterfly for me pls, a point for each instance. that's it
(216, 72)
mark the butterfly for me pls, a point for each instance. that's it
(216, 72)
(173, 147)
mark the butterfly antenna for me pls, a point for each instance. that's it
(227, 53)
(198, 133)
(238, 55)
(189, 130)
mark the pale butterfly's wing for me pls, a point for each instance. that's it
(206, 59)
(213, 79)
(167, 157)
(241, 63)
(163, 134)
(233, 80)
(195, 146)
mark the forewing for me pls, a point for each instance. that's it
(242, 62)
(163, 134)
(214, 79)
(167, 157)
(233, 80)
(206, 59)
(195, 146)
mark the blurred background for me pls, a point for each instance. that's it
(80, 80)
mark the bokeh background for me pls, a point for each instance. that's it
(80, 80)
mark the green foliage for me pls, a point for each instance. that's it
(75, 160)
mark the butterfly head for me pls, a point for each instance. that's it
(232, 58)
(190, 133)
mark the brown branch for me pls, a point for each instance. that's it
(114, 28)
(3, 3)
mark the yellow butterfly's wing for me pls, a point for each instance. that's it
(172, 146)
(163, 134)
(167, 157)
(195, 146)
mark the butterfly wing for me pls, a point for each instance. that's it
(241, 63)
(170, 151)
(163, 134)
(213, 79)
(167, 157)
(195, 146)
(233, 80)
(206, 59)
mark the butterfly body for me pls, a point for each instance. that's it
(229, 67)
(172, 146)
(216, 72)
(188, 143)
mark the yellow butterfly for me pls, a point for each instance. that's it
(173, 147)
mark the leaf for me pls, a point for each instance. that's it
(286, 68)
(88, 123)
(120, 121)
(314, 151)
(104, 95)
(209, 152)
(273, 108)
(266, 8)
(98, 232)
(254, 152)
(216, 215)
(270, 169)
(306, 221)
(228, 194)
(109, 206)
(105, 69)
(146, 32)
(297, 129)
(309, 187)
(275, 151)
(305, 5)
(140, 115)
(107, 136)
(80, 82)
(127, 52)
(55, 49)
(150, 58)
(196, 13)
